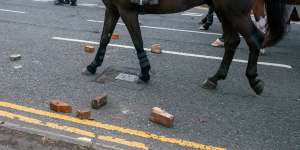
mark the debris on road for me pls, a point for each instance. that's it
(83, 114)
(60, 106)
(89, 49)
(115, 36)
(127, 77)
(15, 57)
(18, 66)
(99, 102)
(155, 48)
(161, 117)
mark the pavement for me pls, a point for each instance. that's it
(51, 40)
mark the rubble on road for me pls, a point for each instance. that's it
(89, 49)
(15, 57)
(99, 101)
(162, 117)
(60, 106)
(155, 48)
(83, 114)
(115, 36)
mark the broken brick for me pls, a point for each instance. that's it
(89, 49)
(60, 106)
(155, 48)
(115, 36)
(15, 57)
(99, 101)
(161, 117)
(83, 114)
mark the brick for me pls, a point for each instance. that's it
(60, 106)
(161, 117)
(99, 102)
(83, 114)
(155, 48)
(115, 36)
(89, 49)
(15, 57)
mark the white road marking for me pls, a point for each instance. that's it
(192, 14)
(91, 5)
(176, 53)
(297, 23)
(167, 29)
(43, 0)
(12, 11)
(87, 4)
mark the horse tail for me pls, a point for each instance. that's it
(276, 21)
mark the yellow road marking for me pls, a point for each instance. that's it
(73, 130)
(148, 135)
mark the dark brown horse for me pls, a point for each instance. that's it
(235, 18)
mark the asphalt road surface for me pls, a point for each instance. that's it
(51, 41)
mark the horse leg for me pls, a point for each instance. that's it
(232, 40)
(131, 21)
(111, 18)
(254, 39)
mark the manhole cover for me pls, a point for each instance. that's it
(124, 77)
(111, 74)
(127, 77)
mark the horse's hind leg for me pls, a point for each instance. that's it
(232, 40)
(130, 19)
(111, 18)
(254, 39)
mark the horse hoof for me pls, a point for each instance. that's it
(258, 87)
(144, 78)
(87, 71)
(207, 84)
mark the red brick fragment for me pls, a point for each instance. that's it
(161, 117)
(83, 114)
(99, 101)
(60, 106)
(115, 36)
(155, 48)
(89, 49)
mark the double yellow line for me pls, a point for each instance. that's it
(143, 134)
(73, 130)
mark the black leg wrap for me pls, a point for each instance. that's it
(145, 76)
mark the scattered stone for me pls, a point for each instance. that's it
(83, 114)
(115, 36)
(89, 49)
(99, 102)
(161, 117)
(15, 57)
(18, 66)
(155, 48)
(60, 106)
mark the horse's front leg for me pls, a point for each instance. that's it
(111, 18)
(254, 41)
(130, 18)
(232, 40)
